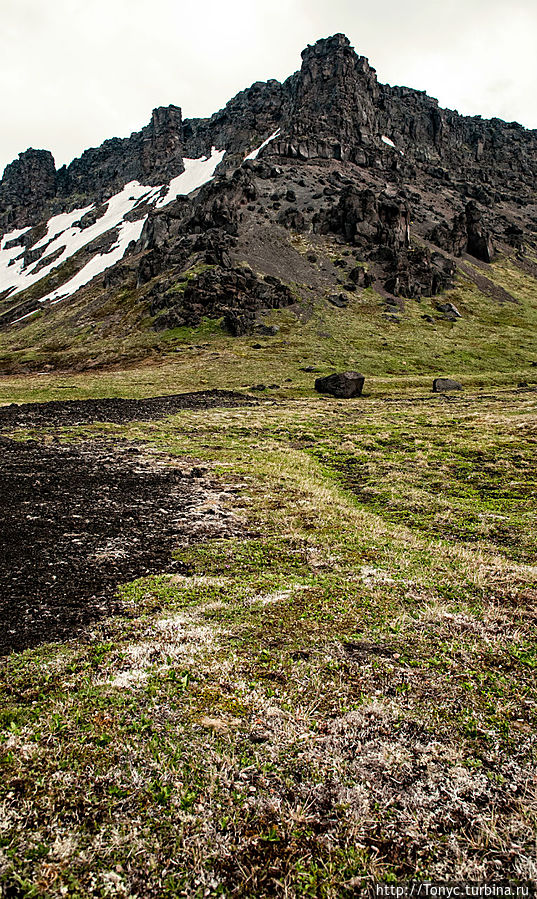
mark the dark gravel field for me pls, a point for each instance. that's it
(76, 521)
(74, 412)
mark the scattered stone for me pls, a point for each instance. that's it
(340, 301)
(218, 725)
(343, 385)
(441, 385)
(449, 309)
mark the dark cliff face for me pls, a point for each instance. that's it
(28, 183)
(333, 107)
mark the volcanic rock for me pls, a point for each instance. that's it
(441, 385)
(343, 385)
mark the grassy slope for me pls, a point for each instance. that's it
(346, 693)
(490, 343)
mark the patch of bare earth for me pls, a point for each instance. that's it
(80, 520)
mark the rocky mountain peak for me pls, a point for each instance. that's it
(161, 149)
(28, 182)
(330, 154)
(333, 97)
(327, 46)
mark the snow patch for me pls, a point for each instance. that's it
(389, 142)
(62, 234)
(255, 153)
(64, 237)
(197, 173)
(128, 231)
(7, 238)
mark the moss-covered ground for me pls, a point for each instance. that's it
(343, 694)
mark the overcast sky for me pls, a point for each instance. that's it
(74, 72)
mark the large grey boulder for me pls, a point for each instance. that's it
(441, 385)
(344, 384)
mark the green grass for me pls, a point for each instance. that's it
(491, 345)
(345, 692)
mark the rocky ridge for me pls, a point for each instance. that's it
(331, 153)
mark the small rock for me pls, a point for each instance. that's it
(449, 309)
(340, 301)
(258, 736)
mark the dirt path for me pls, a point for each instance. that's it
(78, 521)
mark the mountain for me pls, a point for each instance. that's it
(314, 190)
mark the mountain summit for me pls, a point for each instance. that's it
(199, 219)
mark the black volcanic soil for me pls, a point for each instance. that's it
(118, 411)
(79, 520)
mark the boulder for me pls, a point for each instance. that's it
(344, 384)
(449, 309)
(441, 385)
(340, 301)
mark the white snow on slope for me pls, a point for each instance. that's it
(65, 238)
(389, 142)
(96, 266)
(62, 234)
(197, 173)
(255, 153)
(7, 238)
(58, 225)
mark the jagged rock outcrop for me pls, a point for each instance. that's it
(236, 294)
(27, 184)
(205, 228)
(365, 219)
(380, 226)
(331, 104)
(468, 234)
(415, 273)
(151, 156)
(479, 240)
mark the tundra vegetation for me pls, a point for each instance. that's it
(338, 685)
